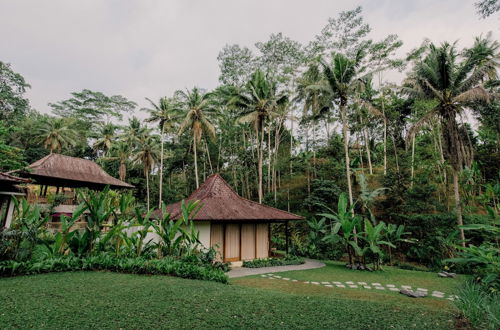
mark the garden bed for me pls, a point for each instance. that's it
(270, 262)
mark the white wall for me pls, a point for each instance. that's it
(204, 229)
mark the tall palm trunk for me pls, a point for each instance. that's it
(147, 189)
(195, 163)
(367, 146)
(345, 133)
(458, 207)
(162, 136)
(412, 160)
(261, 155)
(122, 170)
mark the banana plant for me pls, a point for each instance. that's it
(373, 236)
(63, 238)
(344, 220)
(173, 235)
(394, 234)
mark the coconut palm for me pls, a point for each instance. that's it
(165, 113)
(197, 106)
(133, 132)
(121, 152)
(56, 133)
(147, 155)
(342, 78)
(454, 81)
(259, 101)
(105, 137)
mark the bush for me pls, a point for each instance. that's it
(165, 266)
(269, 262)
(480, 308)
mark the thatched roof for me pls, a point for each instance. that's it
(219, 202)
(6, 178)
(65, 171)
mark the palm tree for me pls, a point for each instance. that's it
(56, 133)
(121, 152)
(165, 113)
(133, 132)
(146, 154)
(106, 137)
(342, 79)
(454, 82)
(197, 106)
(259, 101)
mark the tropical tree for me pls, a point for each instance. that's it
(165, 113)
(56, 133)
(342, 77)
(197, 107)
(147, 155)
(456, 82)
(259, 101)
(105, 137)
(120, 152)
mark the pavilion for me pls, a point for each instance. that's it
(238, 228)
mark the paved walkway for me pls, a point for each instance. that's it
(243, 271)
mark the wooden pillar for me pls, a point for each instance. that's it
(286, 237)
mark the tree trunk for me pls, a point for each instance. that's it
(269, 158)
(412, 160)
(345, 133)
(147, 189)
(195, 163)
(385, 137)
(458, 207)
(367, 146)
(260, 155)
(162, 136)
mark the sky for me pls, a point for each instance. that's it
(150, 48)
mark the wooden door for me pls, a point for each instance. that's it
(217, 239)
(232, 242)
(247, 241)
(262, 240)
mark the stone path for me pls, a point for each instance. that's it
(361, 285)
(243, 271)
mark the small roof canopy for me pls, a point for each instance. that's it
(8, 184)
(65, 171)
(6, 178)
(219, 202)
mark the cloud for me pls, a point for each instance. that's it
(151, 48)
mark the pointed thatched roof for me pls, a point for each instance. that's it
(65, 171)
(219, 202)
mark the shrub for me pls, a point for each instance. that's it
(480, 308)
(269, 262)
(165, 266)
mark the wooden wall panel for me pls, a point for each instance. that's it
(262, 240)
(247, 241)
(232, 242)
(217, 239)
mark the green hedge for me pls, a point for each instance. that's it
(258, 263)
(166, 266)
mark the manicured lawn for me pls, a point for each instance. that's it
(110, 300)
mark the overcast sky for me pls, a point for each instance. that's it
(150, 48)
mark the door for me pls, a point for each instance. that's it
(262, 240)
(232, 242)
(217, 239)
(247, 241)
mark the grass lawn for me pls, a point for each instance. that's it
(111, 300)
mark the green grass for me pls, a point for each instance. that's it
(84, 300)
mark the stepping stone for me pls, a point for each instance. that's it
(325, 282)
(263, 275)
(340, 286)
(413, 294)
(376, 284)
(379, 288)
(406, 287)
(438, 295)
(390, 285)
(362, 283)
(286, 279)
(438, 292)
(307, 282)
(294, 280)
(329, 285)
(277, 276)
(270, 274)
(317, 283)
(349, 282)
(367, 287)
(450, 298)
(394, 289)
(446, 274)
(337, 282)
(354, 286)
(422, 289)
